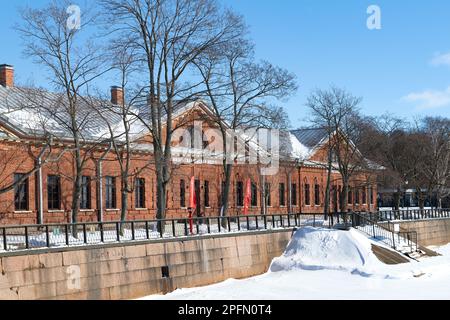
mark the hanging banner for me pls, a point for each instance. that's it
(192, 204)
(248, 196)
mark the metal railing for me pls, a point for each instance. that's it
(416, 214)
(386, 234)
(28, 237)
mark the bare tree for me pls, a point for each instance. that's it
(169, 35)
(124, 132)
(239, 91)
(328, 112)
(436, 161)
(72, 63)
(349, 159)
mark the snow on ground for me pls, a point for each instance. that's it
(332, 264)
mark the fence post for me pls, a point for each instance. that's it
(239, 223)
(229, 224)
(186, 233)
(147, 231)
(133, 233)
(174, 232)
(102, 235)
(47, 236)
(265, 222)
(257, 224)
(209, 225)
(66, 230)
(27, 242)
(118, 231)
(85, 233)
(5, 241)
(248, 224)
(162, 223)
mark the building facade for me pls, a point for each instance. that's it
(45, 196)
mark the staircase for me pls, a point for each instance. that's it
(404, 242)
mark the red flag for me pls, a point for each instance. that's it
(248, 196)
(192, 203)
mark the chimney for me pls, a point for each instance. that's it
(117, 96)
(6, 75)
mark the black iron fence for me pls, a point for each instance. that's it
(28, 237)
(385, 232)
(419, 214)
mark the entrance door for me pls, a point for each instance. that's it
(198, 197)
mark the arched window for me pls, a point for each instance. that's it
(307, 193)
(316, 193)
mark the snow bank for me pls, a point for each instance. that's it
(316, 249)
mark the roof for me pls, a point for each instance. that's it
(35, 112)
(310, 137)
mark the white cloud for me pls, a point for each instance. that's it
(441, 59)
(429, 99)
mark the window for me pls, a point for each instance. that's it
(364, 196)
(282, 196)
(267, 195)
(207, 205)
(239, 194)
(85, 202)
(140, 193)
(21, 193)
(357, 196)
(370, 192)
(254, 195)
(54, 192)
(294, 194)
(350, 197)
(111, 202)
(182, 194)
(317, 194)
(307, 195)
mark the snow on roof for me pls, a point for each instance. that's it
(310, 137)
(299, 150)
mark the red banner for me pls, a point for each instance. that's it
(248, 196)
(192, 203)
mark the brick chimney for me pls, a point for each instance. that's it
(117, 96)
(6, 75)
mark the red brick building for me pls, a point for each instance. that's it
(297, 187)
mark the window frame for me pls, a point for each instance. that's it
(110, 191)
(51, 193)
(20, 188)
(139, 194)
(86, 194)
(282, 194)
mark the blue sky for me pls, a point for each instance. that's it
(404, 68)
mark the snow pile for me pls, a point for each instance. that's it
(317, 249)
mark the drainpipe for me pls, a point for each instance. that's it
(100, 189)
(100, 182)
(40, 196)
(290, 192)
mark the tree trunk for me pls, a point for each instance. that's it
(124, 205)
(344, 199)
(77, 185)
(397, 200)
(226, 192)
(327, 190)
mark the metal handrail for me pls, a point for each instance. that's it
(26, 237)
(385, 234)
